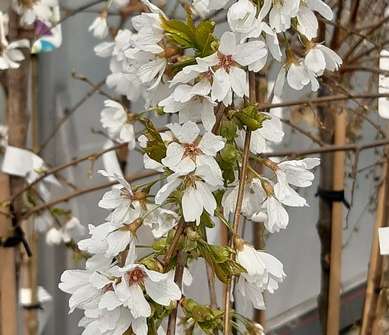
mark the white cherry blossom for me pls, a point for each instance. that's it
(272, 212)
(297, 76)
(85, 286)
(38, 10)
(11, 56)
(197, 193)
(252, 200)
(271, 132)
(99, 26)
(306, 18)
(320, 58)
(160, 287)
(280, 14)
(241, 16)
(264, 273)
(191, 150)
(119, 199)
(116, 120)
(192, 103)
(204, 7)
(227, 65)
(111, 322)
(71, 230)
(294, 173)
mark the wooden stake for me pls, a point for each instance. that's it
(8, 287)
(30, 266)
(379, 318)
(333, 318)
(326, 118)
(374, 272)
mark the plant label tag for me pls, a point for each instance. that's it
(383, 236)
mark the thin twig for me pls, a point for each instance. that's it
(68, 114)
(59, 168)
(328, 148)
(178, 278)
(174, 244)
(238, 208)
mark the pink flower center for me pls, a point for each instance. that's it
(225, 61)
(136, 276)
(191, 150)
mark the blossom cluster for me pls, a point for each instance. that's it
(201, 82)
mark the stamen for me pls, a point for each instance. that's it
(191, 150)
(136, 276)
(226, 62)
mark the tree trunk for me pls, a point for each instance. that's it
(17, 121)
(8, 290)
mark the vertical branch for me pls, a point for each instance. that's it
(8, 287)
(30, 266)
(178, 277)
(17, 118)
(333, 319)
(238, 209)
(374, 272)
(259, 229)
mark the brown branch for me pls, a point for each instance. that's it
(356, 68)
(303, 131)
(172, 251)
(373, 28)
(322, 100)
(365, 117)
(178, 278)
(368, 51)
(131, 178)
(87, 81)
(328, 148)
(238, 208)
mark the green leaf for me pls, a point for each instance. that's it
(220, 259)
(204, 37)
(156, 148)
(228, 129)
(250, 117)
(179, 32)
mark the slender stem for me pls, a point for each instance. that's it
(238, 209)
(329, 148)
(173, 246)
(178, 278)
(59, 168)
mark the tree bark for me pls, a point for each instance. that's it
(8, 289)
(18, 119)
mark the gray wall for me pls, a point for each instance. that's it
(297, 247)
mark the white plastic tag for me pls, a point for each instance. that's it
(383, 236)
